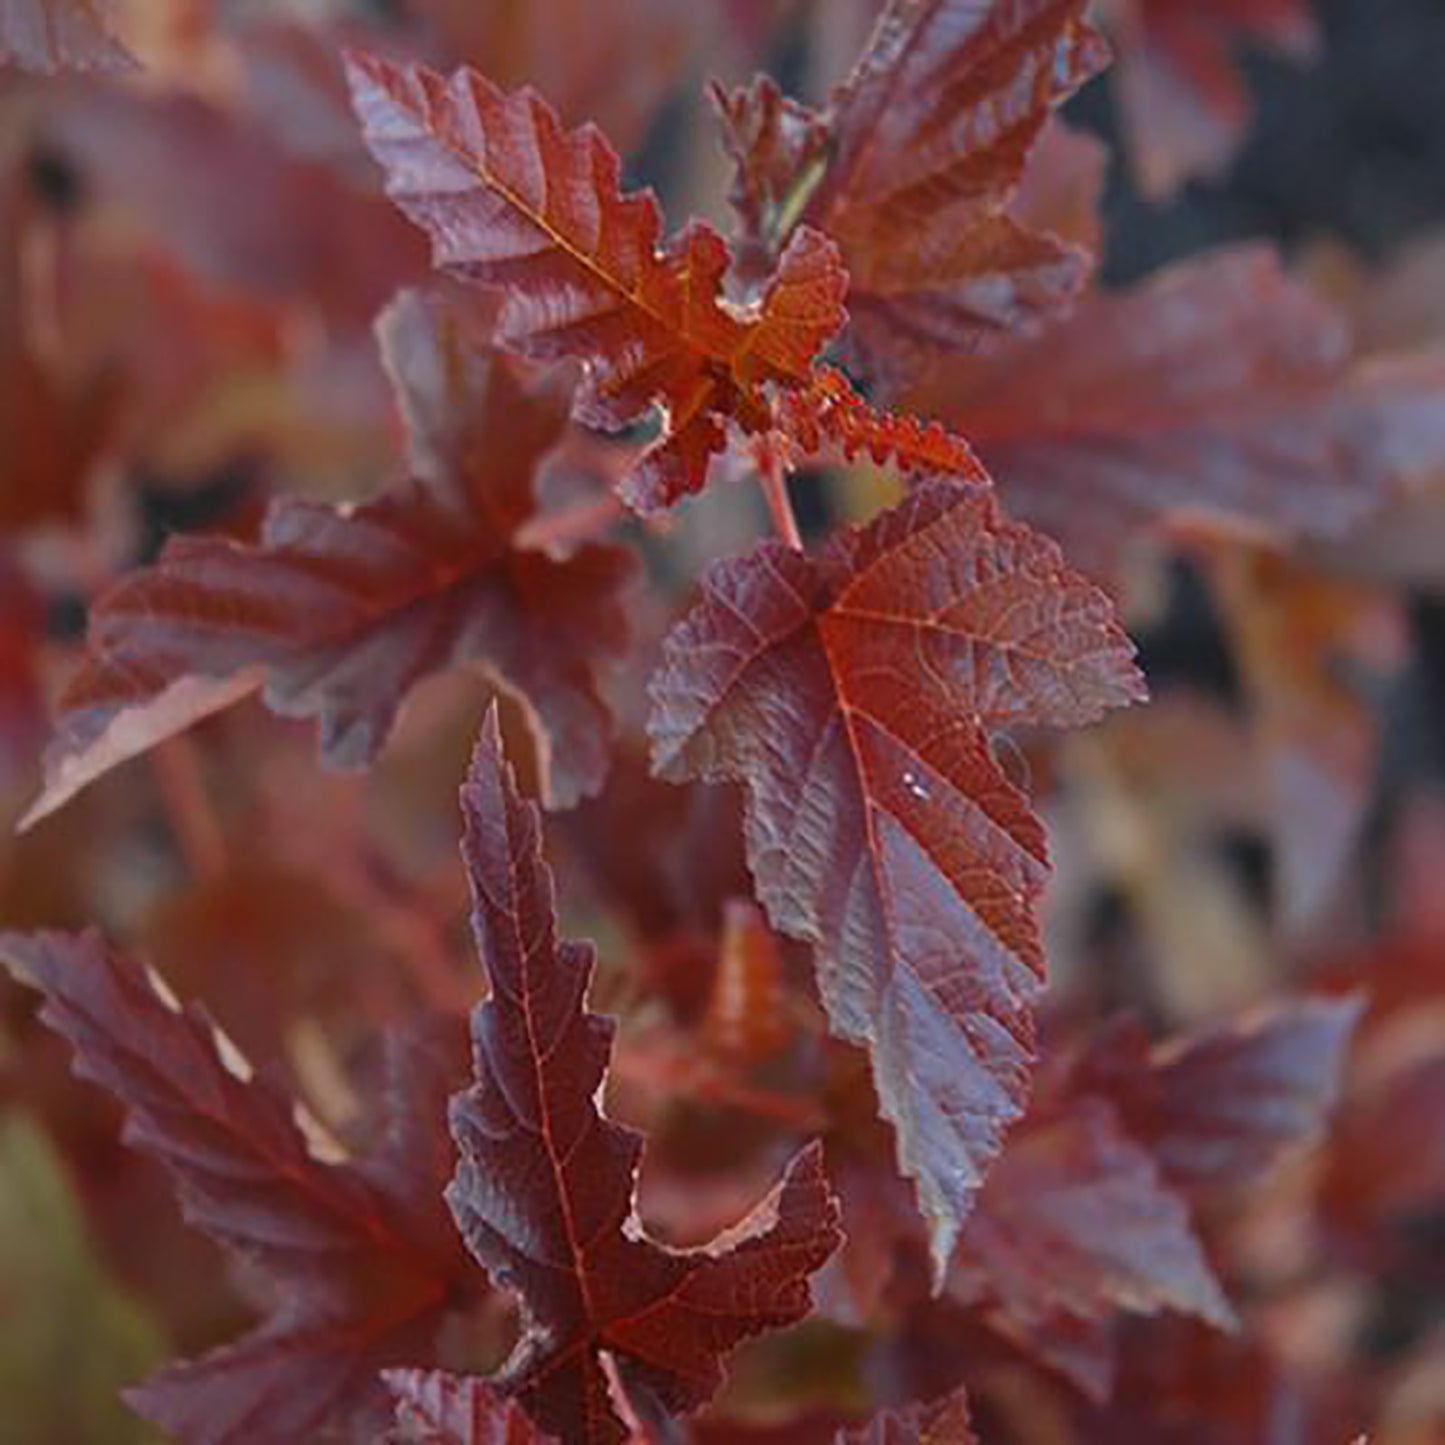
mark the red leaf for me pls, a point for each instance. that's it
(1076, 1221)
(855, 696)
(359, 1256)
(941, 1422)
(1231, 1101)
(48, 36)
(1219, 386)
(511, 199)
(778, 149)
(1220, 1107)
(344, 610)
(831, 418)
(1184, 106)
(212, 188)
(435, 1408)
(543, 1194)
(931, 133)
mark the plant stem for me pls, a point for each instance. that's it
(198, 834)
(774, 478)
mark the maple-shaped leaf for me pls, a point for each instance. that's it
(855, 696)
(939, 1422)
(544, 1189)
(341, 611)
(1219, 1107)
(512, 199)
(1184, 106)
(49, 36)
(1218, 387)
(358, 1256)
(1077, 1221)
(436, 1408)
(925, 146)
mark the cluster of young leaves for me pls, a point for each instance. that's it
(1008, 1199)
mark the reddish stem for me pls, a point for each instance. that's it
(198, 834)
(774, 478)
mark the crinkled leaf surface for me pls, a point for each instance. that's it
(512, 199)
(543, 1193)
(342, 611)
(927, 141)
(359, 1257)
(855, 696)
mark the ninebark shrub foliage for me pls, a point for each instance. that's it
(346, 369)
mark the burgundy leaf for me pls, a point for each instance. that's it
(544, 1191)
(1219, 386)
(779, 149)
(1218, 1108)
(511, 199)
(218, 192)
(1077, 1221)
(855, 696)
(931, 134)
(344, 610)
(361, 1264)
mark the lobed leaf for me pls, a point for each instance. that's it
(926, 144)
(511, 199)
(779, 149)
(1076, 1224)
(1218, 387)
(361, 1262)
(341, 611)
(543, 1193)
(855, 697)
(1220, 1107)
